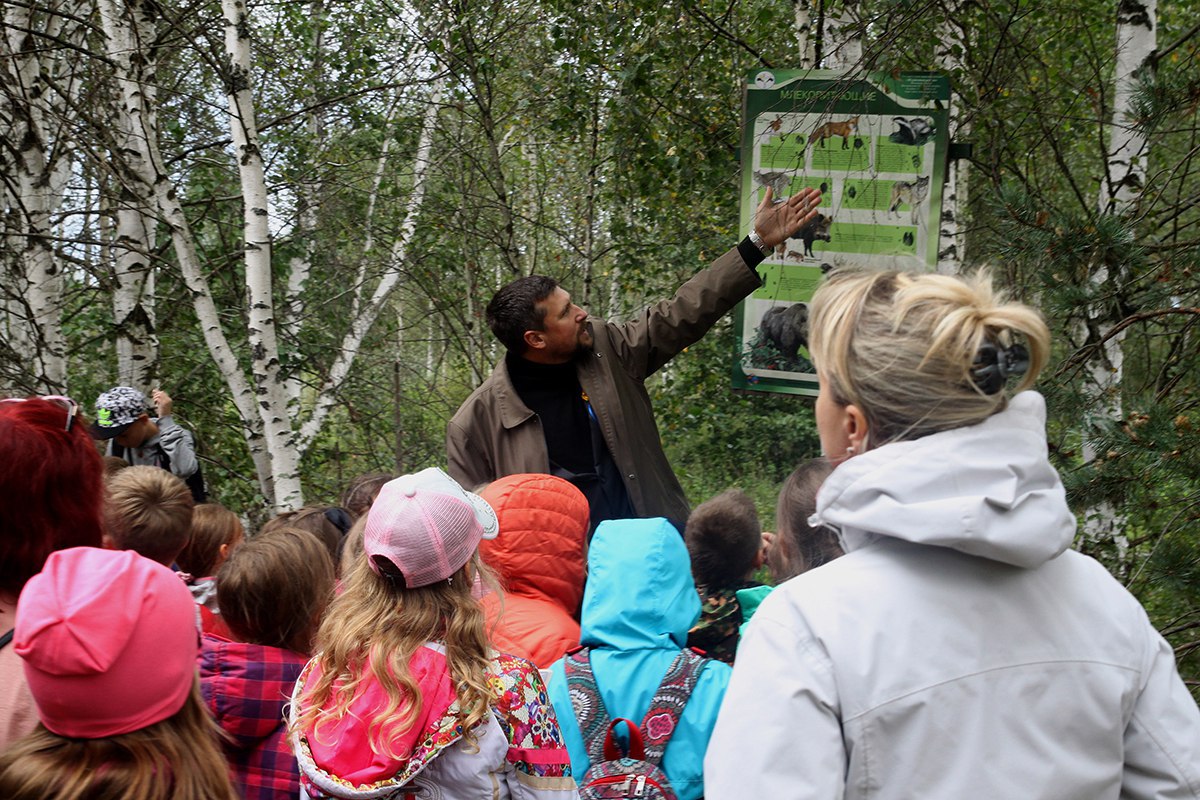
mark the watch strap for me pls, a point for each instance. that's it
(758, 242)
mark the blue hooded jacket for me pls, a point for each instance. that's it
(639, 603)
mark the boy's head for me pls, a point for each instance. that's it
(148, 510)
(273, 589)
(724, 539)
(215, 532)
(121, 416)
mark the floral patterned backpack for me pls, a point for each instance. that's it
(636, 772)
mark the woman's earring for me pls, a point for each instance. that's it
(849, 451)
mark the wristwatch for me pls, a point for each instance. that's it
(758, 242)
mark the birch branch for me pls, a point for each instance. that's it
(362, 323)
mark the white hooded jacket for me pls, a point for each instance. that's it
(958, 650)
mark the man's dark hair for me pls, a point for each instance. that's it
(723, 536)
(514, 310)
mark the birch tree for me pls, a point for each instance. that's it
(1124, 178)
(802, 26)
(1125, 167)
(370, 309)
(141, 118)
(271, 394)
(951, 45)
(39, 72)
(844, 37)
(132, 244)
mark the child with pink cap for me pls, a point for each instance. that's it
(109, 644)
(405, 694)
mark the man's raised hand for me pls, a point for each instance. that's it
(777, 221)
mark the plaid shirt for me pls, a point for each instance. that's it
(246, 686)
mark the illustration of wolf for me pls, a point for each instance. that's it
(779, 182)
(816, 229)
(912, 193)
(845, 129)
(786, 327)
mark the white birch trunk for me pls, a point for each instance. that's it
(844, 50)
(1125, 173)
(1137, 40)
(42, 91)
(291, 321)
(802, 26)
(264, 345)
(366, 317)
(133, 271)
(951, 241)
(125, 53)
(133, 297)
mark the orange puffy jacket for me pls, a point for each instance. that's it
(540, 558)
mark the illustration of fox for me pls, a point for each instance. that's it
(773, 129)
(845, 129)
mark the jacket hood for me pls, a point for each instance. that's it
(987, 490)
(338, 756)
(640, 592)
(246, 687)
(540, 552)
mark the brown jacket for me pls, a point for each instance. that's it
(494, 434)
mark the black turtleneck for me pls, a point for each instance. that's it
(552, 391)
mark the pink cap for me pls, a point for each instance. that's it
(427, 526)
(109, 640)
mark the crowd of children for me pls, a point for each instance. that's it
(404, 639)
(422, 639)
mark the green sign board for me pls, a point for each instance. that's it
(876, 148)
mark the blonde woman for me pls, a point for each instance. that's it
(405, 694)
(109, 644)
(959, 649)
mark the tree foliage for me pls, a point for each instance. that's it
(598, 143)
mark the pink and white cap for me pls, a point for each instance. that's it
(427, 526)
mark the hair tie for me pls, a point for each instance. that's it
(993, 365)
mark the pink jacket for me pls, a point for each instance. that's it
(517, 753)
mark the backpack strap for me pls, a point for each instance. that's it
(612, 748)
(594, 722)
(671, 696)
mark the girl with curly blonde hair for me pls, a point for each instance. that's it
(405, 693)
